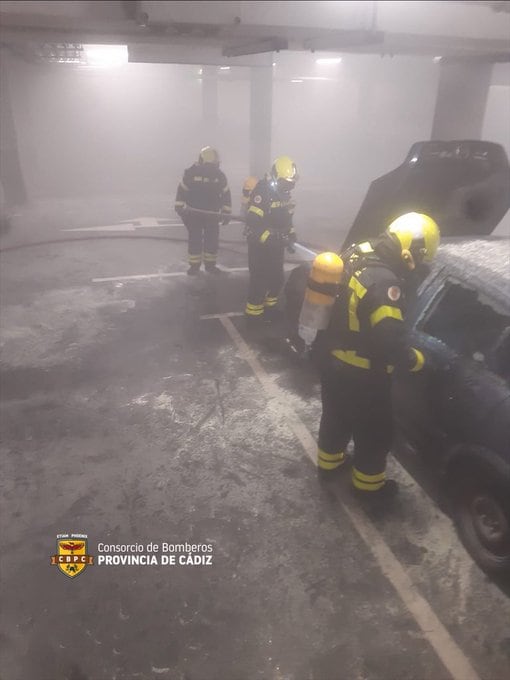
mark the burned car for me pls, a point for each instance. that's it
(455, 415)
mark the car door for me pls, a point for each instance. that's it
(413, 393)
(457, 329)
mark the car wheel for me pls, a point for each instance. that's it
(481, 510)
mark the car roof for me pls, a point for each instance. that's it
(483, 263)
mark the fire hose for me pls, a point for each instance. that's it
(306, 252)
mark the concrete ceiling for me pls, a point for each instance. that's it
(246, 33)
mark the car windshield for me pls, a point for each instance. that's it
(467, 322)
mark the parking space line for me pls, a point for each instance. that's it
(296, 424)
(218, 316)
(450, 654)
(140, 277)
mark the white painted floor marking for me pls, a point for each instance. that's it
(218, 316)
(140, 277)
(451, 655)
(106, 227)
(133, 224)
(295, 423)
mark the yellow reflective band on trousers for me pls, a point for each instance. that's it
(179, 204)
(264, 236)
(226, 209)
(330, 461)
(210, 257)
(271, 301)
(420, 361)
(368, 482)
(385, 312)
(257, 211)
(254, 310)
(194, 259)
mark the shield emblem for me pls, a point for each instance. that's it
(71, 557)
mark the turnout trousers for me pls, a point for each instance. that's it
(265, 263)
(356, 404)
(203, 237)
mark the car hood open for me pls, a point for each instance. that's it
(463, 184)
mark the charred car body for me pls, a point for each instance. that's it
(456, 415)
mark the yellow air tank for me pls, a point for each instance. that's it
(321, 290)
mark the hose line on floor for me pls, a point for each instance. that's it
(100, 237)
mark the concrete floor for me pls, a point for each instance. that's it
(127, 417)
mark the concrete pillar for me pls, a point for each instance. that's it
(461, 99)
(261, 109)
(210, 103)
(11, 176)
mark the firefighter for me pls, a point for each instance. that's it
(365, 342)
(204, 187)
(269, 230)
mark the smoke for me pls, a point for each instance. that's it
(130, 130)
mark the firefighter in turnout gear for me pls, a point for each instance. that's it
(269, 230)
(204, 187)
(365, 342)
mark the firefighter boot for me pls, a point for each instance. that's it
(380, 498)
(211, 268)
(272, 315)
(193, 269)
(253, 322)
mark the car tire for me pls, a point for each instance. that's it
(480, 507)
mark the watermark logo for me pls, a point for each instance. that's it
(71, 557)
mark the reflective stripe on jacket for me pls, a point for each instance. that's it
(269, 212)
(367, 328)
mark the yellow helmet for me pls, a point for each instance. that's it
(209, 155)
(418, 236)
(284, 172)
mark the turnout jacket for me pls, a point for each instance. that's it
(367, 326)
(205, 187)
(269, 214)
